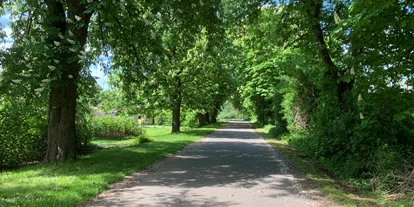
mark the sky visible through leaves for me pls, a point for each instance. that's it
(99, 75)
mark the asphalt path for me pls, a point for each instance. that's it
(233, 166)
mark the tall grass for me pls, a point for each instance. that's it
(115, 127)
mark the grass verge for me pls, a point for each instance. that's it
(66, 184)
(342, 193)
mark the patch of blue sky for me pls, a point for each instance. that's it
(99, 73)
(4, 20)
(5, 25)
(100, 76)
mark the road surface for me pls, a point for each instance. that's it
(233, 166)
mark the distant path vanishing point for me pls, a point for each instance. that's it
(233, 166)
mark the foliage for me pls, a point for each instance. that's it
(111, 99)
(48, 60)
(84, 113)
(22, 134)
(230, 112)
(272, 131)
(356, 131)
(115, 127)
(162, 117)
(279, 88)
(338, 76)
(143, 138)
(163, 66)
(23, 129)
(190, 119)
(342, 193)
(277, 131)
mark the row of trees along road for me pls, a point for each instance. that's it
(335, 74)
(153, 43)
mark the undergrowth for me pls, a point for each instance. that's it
(386, 189)
(115, 127)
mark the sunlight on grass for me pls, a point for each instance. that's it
(109, 143)
(66, 184)
(156, 132)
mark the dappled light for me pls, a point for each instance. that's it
(69, 183)
(233, 166)
(98, 89)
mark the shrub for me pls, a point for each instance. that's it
(277, 131)
(115, 127)
(163, 117)
(268, 127)
(190, 119)
(23, 131)
(257, 124)
(143, 138)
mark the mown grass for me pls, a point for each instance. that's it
(112, 143)
(67, 184)
(342, 193)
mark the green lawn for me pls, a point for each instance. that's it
(343, 193)
(112, 143)
(66, 184)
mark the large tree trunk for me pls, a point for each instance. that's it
(61, 137)
(214, 116)
(207, 117)
(201, 119)
(61, 127)
(176, 122)
(176, 107)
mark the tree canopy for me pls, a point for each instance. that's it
(334, 78)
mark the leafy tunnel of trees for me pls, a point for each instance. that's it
(334, 77)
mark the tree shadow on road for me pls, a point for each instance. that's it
(233, 157)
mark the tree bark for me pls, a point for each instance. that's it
(61, 125)
(201, 119)
(214, 115)
(176, 122)
(176, 106)
(61, 137)
(207, 117)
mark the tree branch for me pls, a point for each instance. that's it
(128, 41)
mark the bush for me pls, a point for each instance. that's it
(23, 131)
(163, 117)
(277, 131)
(190, 119)
(115, 128)
(143, 138)
(257, 124)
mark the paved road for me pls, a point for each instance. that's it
(233, 166)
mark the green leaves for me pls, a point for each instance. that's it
(361, 48)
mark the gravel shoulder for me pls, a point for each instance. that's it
(233, 166)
